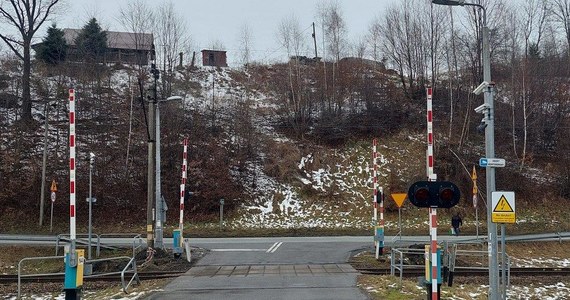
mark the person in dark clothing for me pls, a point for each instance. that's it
(455, 223)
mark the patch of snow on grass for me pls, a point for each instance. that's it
(308, 158)
(557, 291)
(540, 262)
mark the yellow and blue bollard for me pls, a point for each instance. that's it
(177, 243)
(379, 238)
(428, 272)
(74, 274)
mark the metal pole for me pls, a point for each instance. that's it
(71, 261)
(44, 165)
(475, 192)
(315, 40)
(91, 161)
(430, 160)
(477, 222)
(51, 219)
(221, 213)
(400, 221)
(489, 148)
(490, 153)
(503, 261)
(150, 171)
(183, 186)
(158, 194)
(381, 205)
(72, 182)
(433, 249)
(375, 199)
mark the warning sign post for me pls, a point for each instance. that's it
(399, 198)
(503, 204)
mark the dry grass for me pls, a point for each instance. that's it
(11, 255)
(391, 288)
(542, 249)
(90, 290)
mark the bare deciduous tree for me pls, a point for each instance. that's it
(534, 17)
(245, 40)
(334, 28)
(297, 105)
(561, 11)
(26, 17)
(401, 35)
(172, 38)
(137, 18)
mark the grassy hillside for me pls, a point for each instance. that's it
(282, 156)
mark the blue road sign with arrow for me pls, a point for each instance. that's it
(491, 162)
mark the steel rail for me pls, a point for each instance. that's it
(13, 278)
(472, 272)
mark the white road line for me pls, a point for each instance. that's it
(273, 248)
(237, 250)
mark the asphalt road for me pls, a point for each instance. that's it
(271, 268)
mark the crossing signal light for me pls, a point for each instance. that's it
(379, 195)
(441, 194)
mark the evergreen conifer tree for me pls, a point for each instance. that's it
(92, 41)
(53, 49)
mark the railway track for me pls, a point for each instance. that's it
(412, 272)
(6, 279)
(472, 272)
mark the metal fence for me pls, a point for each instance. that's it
(400, 260)
(130, 268)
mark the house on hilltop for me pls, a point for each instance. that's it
(122, 47)
(214, 58)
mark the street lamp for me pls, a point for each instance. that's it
(160, 206)
(450, 2)
(90, 199)
(489, 147)
(151, 180)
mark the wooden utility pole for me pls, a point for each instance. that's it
(315, 40)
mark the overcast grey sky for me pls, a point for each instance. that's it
(222, 20)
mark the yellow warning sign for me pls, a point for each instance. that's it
(399, 198)
(474, 178)
(503, 204)
(53, 186)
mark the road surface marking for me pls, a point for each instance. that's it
(238, 250)
(273, 248)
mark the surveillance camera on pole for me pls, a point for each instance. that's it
(481, 88)
(171, 98)
(481, 127)
(481, 109)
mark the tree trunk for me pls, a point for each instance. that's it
(26, 97)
